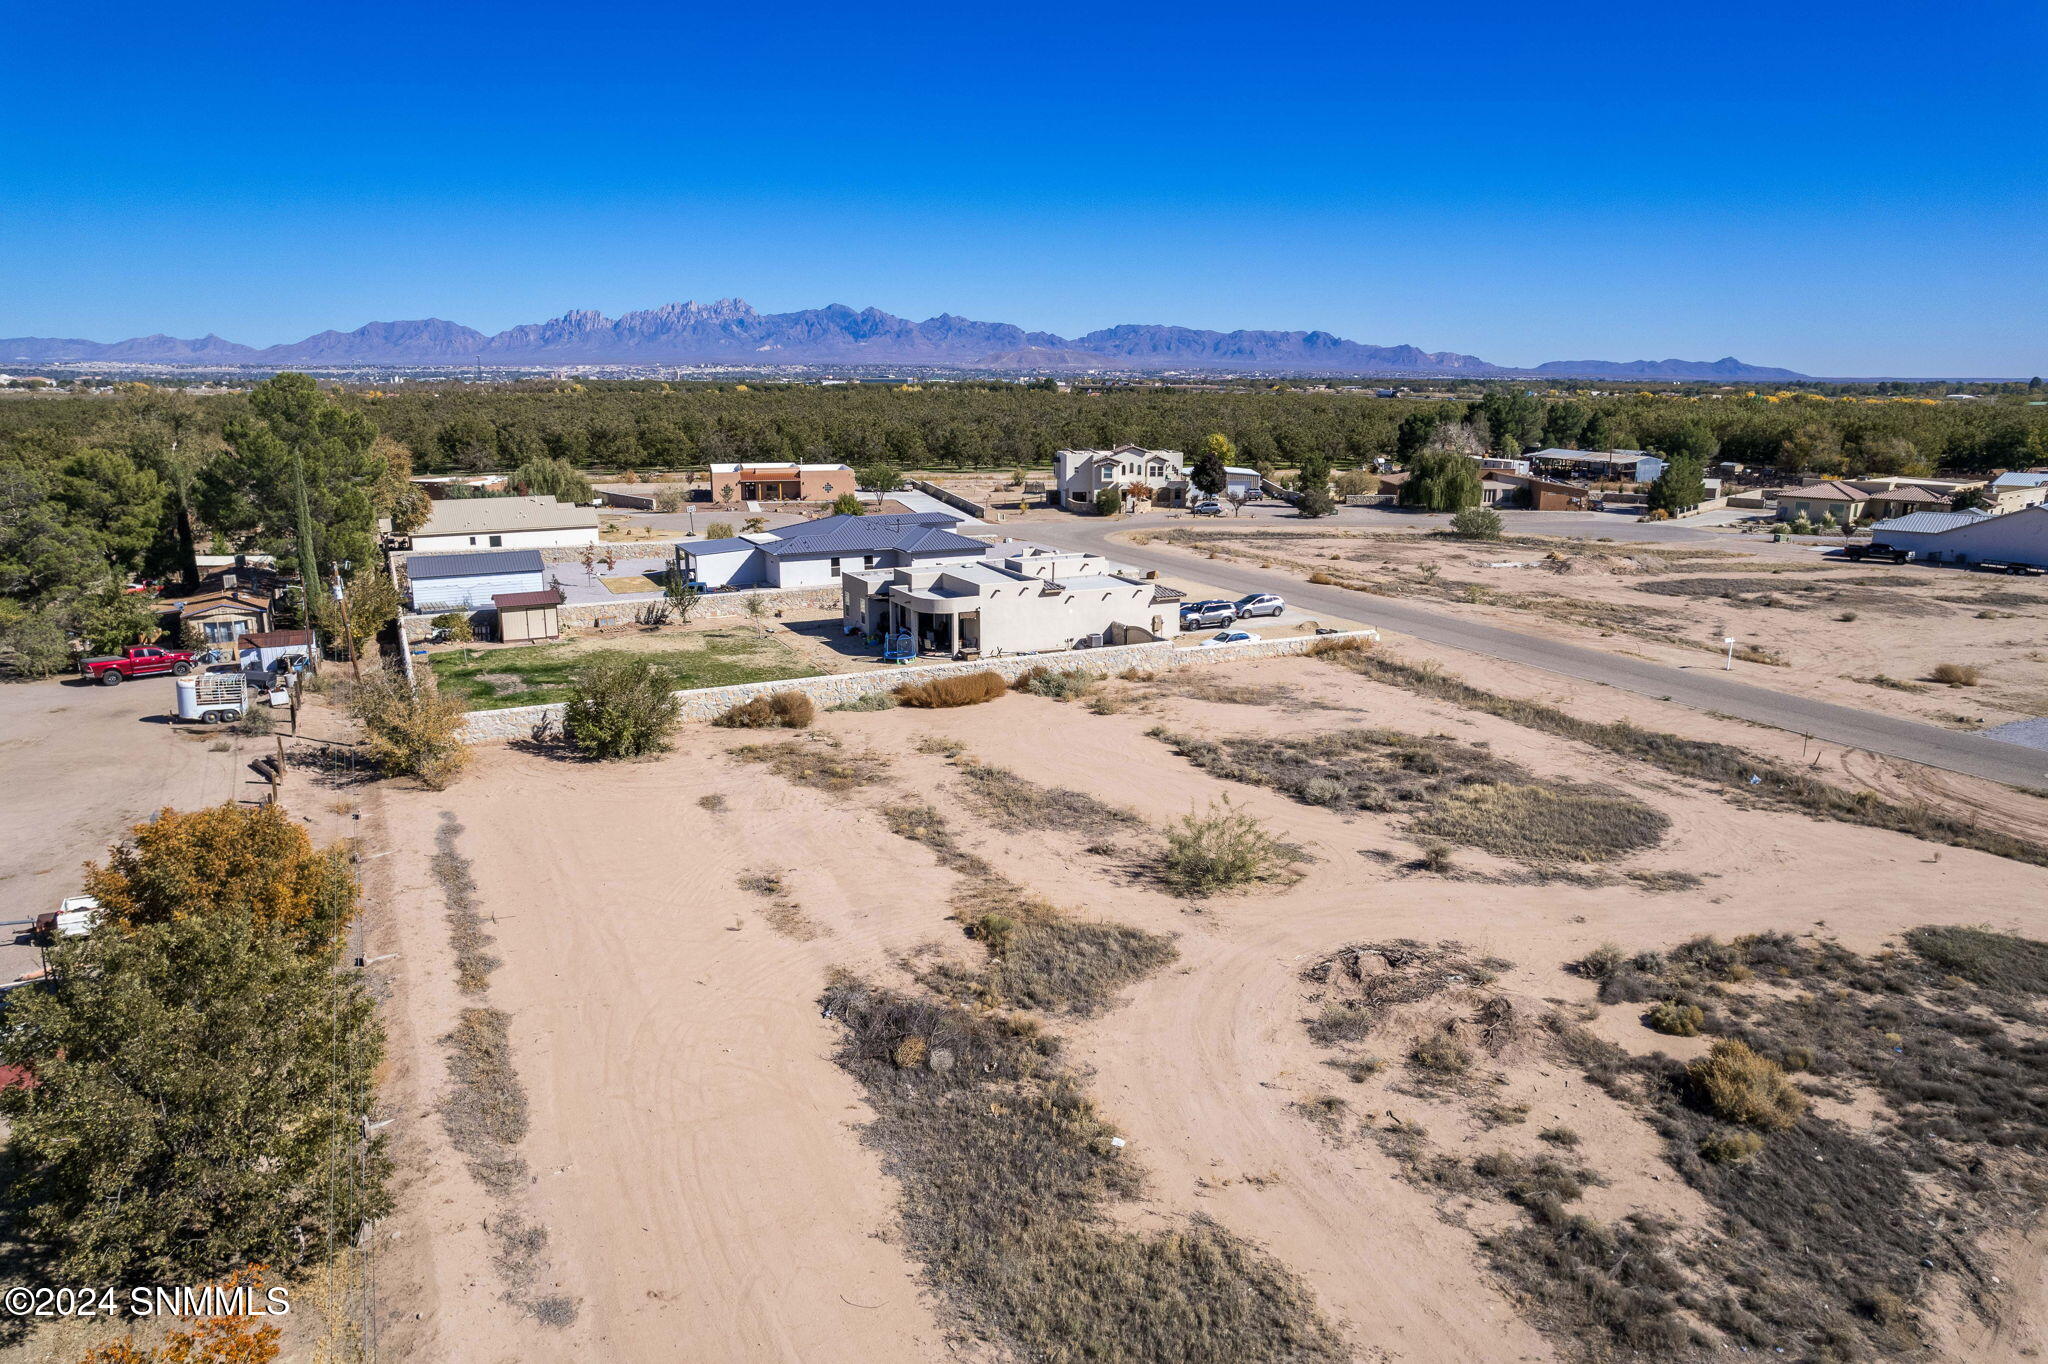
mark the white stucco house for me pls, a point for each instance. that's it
(815, 553)
(1029, 602)
(502, 523)
(1079, 475)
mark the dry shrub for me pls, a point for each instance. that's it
(1674, 1019)
(1016, 802)
(782, 710)
(1956, 674)
(1731, 768)
(818, 761)
(1440, 1053)
(1731, 1146)
(1996, 961)
(1337, 645)
(410, 728)
(969, 690)
(1006, 1172)
(1223, 849)
(1565, 821)
(1321, 579)
(1745, 1088)
(1064, 685)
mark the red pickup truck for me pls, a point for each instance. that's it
(138, 660)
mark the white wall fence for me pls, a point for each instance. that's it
(952, 499)
(706, 703)
(622, 610)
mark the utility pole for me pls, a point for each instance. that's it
(355, 668)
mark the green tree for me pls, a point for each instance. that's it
(113, 620)
(1605, 432)
(1815, 448)
(1441, 480)
(1564, 425)
(621, 707)
(1681, 486)
(467, 445)
(879, 477)
(299, 475)
(201, 1088)
(846, 504)
(1514, 418)
(1686, 440)
(551, 478)
(1110, 501)
(1210, 471)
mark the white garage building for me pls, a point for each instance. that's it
(504, 523)
(1969, 537)
(455, 582)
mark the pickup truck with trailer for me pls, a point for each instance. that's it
(138, 660)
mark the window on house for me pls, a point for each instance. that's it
(835, 565)
(497, 540)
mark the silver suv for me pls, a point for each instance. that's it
(1196, 614)
(1259, 604)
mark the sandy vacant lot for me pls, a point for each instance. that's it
(1870, 636)
(696, 1156)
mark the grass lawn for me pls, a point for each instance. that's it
(532, 675)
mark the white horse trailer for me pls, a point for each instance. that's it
(212, 698)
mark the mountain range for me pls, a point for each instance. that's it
(731, 332)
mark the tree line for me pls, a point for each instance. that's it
(96, 491)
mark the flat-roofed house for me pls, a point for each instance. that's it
(1026, 603)
(502, 523)
(732, 484)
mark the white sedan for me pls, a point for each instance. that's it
(1228, 637)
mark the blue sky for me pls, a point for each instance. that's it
(1842, 189)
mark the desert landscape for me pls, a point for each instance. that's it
(1948, 647)
(911, 1035)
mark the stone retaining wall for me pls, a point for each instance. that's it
(705, 703)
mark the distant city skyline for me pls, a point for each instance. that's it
(1837, 190)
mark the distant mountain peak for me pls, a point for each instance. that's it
(731, 331)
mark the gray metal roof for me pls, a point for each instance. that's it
(730, 545)
(1930, 522)
(917, 533)
(2019, 480)
(420, 567)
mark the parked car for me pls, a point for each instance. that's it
(1891, 552)
(74, 917)
(1206, 507)
(1195, 615)
(138, 660)
(1259, 604)
(1228, 637)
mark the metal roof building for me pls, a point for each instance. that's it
(814, 553)
(1970, 537)
(451, 582)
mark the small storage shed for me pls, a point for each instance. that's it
(528, 615)
(451, 582)
(268, 649)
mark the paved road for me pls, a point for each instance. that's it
(1705, 687)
